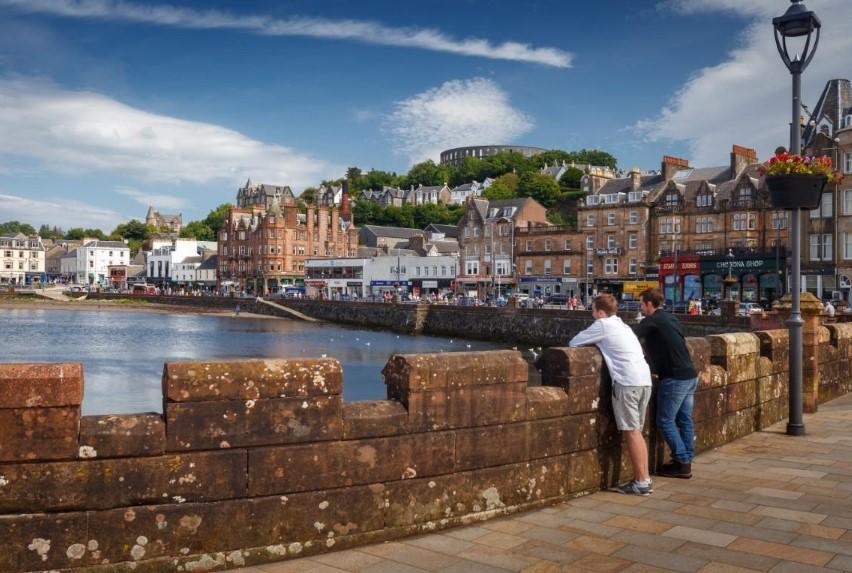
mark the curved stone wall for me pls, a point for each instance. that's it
(260, 460)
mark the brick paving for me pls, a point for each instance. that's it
(767, 502)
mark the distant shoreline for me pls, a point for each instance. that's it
(105, 305)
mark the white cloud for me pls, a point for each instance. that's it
(354, 30)
(745, 99)
(81, 132)
(159, 201)
(455, 114)
(65, 213)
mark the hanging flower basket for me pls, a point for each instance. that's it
(795, 190)
(796, 182)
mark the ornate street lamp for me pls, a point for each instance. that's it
(797, 22)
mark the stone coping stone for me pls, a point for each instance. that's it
(35, 385)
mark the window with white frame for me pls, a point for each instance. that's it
(633, 217)
(847, 202)
(610, 241)
(745, 221)
(466, 232)
(590, 220)
(704, 200)
(566, 266)
(704, 224)
(548, 267)
(634, 196)
(528, 267)
(487, 248)
(847, 162)
(610, 265)
(825, 210)
(847, 246)
(476, 231)
(669, 225)
(590, 241)
(779, 220)
(631, 267)
(745, 193)
(632, 241)
(529, 245)
(471, 267)
(610, 219)
(672, 199)
(547, 244)
(590, 267)
(567, 244)
(820, 247)
(502, 268)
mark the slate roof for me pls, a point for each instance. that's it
(107, 244)
(394, 232)
(450, 231)
(209, 264)
(448, 247)
(625, 184)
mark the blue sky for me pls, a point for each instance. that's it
(107, 106)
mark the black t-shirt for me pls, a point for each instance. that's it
(664, 342)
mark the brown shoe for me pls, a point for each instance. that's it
(676, 470)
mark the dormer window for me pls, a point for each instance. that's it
(634, 196)
(704, 200)
(672, 199)
(745, 193)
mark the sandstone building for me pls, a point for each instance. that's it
(266, 239)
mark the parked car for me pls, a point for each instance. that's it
(556, 299)
(468, 301)
(748, 308)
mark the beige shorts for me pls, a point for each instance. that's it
(629, 404)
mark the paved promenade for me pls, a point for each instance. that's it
(767, 502)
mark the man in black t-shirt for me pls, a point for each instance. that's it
(664, 341)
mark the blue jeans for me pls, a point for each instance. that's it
(674, 417)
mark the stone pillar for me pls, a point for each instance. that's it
(728, 310)
(811, 310)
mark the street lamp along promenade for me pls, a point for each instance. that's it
(797, 22)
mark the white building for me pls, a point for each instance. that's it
(404, 271)
(176, 262)
(460, 193)
(89, 263)
(205, 274)
(22, 258)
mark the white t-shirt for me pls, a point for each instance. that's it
(621, 350)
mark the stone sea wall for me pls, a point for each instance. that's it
(261, 460)
(534, 327)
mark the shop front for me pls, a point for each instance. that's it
(431, 288)
(680, 277)
(632, 289)
(536, 286)
(389, 287)
(747, 279)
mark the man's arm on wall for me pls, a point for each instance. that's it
(591, 335)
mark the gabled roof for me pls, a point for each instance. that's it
(449, 230)
(107, 244)
(209, 264)
(625, 184)
(445, 246)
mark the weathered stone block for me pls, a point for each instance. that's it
(841, 337)
(492, 446)
(548, 438)
(585, 472)
(709, 404)
(467, 407)
(771, 387)
(546, 402)
(105, 484)
(237, 423)
(122, 435)
(775, 345)
(142, 533)
(410, 373)
(712, 377)
(560, 363)
(193, 381)
(318, 517)
(739, 367)
(607, 431)
(41, 385)
(41, 542)
(614, 466)
(741, 396)
(373, 418)
(772, 412)
(39, 433)
(699, 351)
(427, 499)
(733, 344)
(326, 465)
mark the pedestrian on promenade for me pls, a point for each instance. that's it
(663, 337)
(631, 384)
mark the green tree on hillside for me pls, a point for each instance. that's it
(542, 188)
(48, 232)
(375, 179)
(17, 227)
(78, 233)
(309, 195)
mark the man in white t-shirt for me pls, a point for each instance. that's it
(631, 384)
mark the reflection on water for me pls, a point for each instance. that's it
(123, 352)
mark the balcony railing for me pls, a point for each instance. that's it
(554, 229)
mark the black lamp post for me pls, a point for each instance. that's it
(797, 22)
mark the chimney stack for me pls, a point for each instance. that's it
(635, 178)
(741, 157)
(672, 165)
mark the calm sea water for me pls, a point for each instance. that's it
(123, 352)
